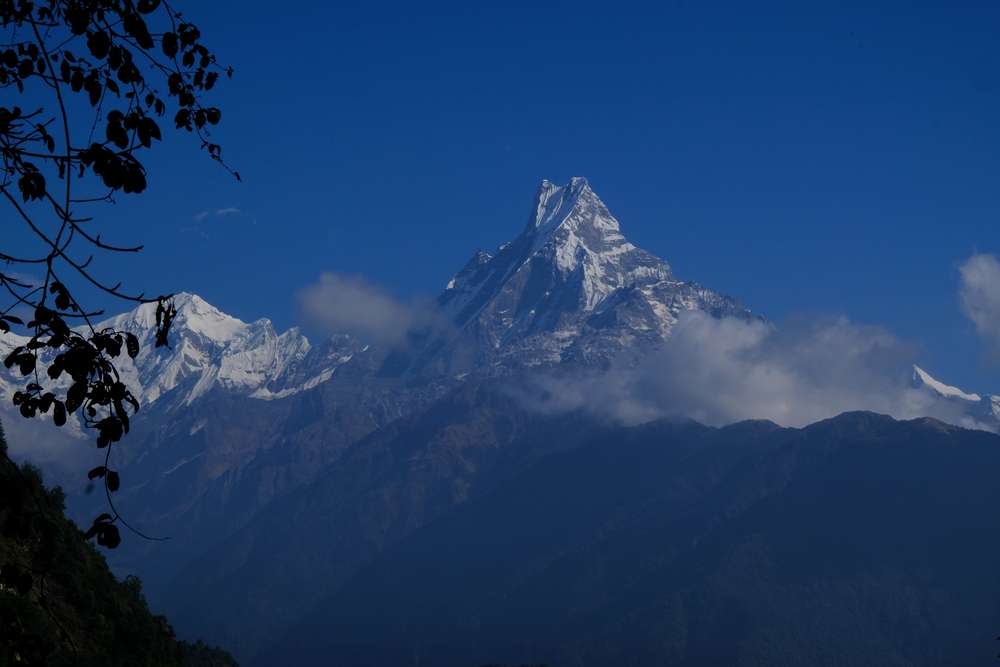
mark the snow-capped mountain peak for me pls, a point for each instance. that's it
(575, 230)
(194, 315)
(568, 278)
(922, 378)
(573, 235)
(209, 348)
(555, 205)
(979, 411)
(569, 287)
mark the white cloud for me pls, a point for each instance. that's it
(980, 296)
(350, 304)
(719, 371)
(60, 452)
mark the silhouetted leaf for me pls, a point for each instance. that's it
(75, 396)
(99, 44)
(108, 536)
(136, 26)
(169, 44)
(59, 413)
(131, 345)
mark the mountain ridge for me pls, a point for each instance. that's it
(570, 290)
(570, 287)
(672, 541)
(240, 422)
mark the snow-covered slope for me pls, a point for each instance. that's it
(923, 378)
(980, 411)
(209, 348)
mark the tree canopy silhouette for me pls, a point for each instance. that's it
(95, 79)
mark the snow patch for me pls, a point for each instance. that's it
(267, 395)
(182, 463)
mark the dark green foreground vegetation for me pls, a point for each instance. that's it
(59, 602)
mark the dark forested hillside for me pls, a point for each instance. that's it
(59, 602)
(855, 541)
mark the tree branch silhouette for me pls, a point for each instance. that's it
(82, 66)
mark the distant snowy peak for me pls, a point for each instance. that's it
(194, 316)
(922, 378)
(980, 411)
(211, 349)
(207, 348)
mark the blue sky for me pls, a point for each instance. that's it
(802, 157)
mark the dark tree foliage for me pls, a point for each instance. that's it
(100, 77)
(59, 602)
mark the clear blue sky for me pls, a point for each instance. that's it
(800, 156)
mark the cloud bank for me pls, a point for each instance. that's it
(979, 295)
(718, 371)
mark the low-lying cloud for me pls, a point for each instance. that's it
(340, 303)
(61, 453)
(979, 294)
(719, 371)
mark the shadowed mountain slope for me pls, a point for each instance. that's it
(856, 541)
